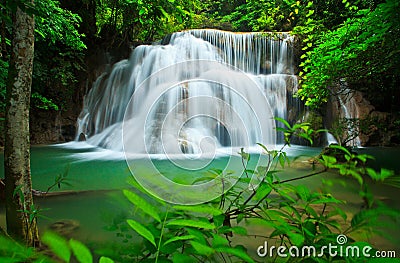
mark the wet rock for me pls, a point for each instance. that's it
(82, 137)
(65, 227)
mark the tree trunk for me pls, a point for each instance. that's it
(21, 224)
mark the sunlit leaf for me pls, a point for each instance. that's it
(106, 260)
(202, 249)
(179, 238)
(142, 204)
(191, 223)
(81, 252)
(58, 245)
(204, 209)
(142, 230)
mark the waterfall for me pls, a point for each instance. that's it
(349, 111)
(193, 92)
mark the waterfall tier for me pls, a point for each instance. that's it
(193, 92)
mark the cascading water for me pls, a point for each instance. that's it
(214, 105)
(349, 110)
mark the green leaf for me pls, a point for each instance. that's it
(11, 260)
(191, 223)
(182, 258)
(303, 192)
(11, 247)
(202, 249)
(280, 129)
(142, 204)
(327, 200)
(166, 15)
(58, 245)
(328, 161)
(263, 146)
(341, 148)
(141, 230)
(282, 159)
(81, 252)
(240, 217)
(198, 234)
(219, 220)
(385, 173)
(239, 230)
(244, 155)
(310, 12)
(295, 238)
(179, 18)
(219, 241)
(238, 252)
(372, 173)
(106, 260)
(203, 209)
(310, 228)
(310, 210)
(284, 122)
(179, 238)
(262, 191)
(142, 11)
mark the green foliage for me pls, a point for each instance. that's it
(81, 252)
(58, 55)
(142, 19)
(294, 214)
(142, 204)
(304, 17)
(265, 15)
(57, 25)
(60, 179)
(58, 52)
(64, 250)
(291, 214)
(300, 130)
(345, 130)
(58, 245)
(11, 251)
(34, 212)
(358, 51)
(43, 103)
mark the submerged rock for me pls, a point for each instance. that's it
(65, 227)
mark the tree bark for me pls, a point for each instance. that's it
(21, 225)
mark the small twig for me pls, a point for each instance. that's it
(301, 177)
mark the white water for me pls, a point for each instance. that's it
(178, 97)
(349, 110)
